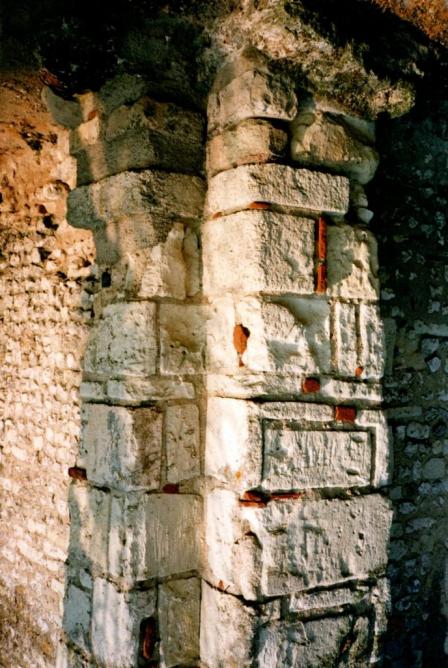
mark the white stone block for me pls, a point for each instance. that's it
(345, 338)
(253, 94)
(254, 251)
(116, 623)
(133, 194)
(288, 335)
(372, 341)
(352, 262)
(182, 338)
(182, 442)
(376, 422)
(76, 620)
(227, 630)
(237, 188)
(124, 446)
(89, 520)
(135, 391)
(123, 341)
(326, 140)
(293, 545)
(179, 614)
(154, 535)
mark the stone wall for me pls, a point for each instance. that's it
(227, 504)
(45, 308)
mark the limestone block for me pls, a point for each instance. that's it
(144, 134)
(179, 610)
(116, 623)
(227, 630)
(288, 335)
(64, 112)
(154, 535)
(352, 263)
(292, 545)
(76, 619)
(252, 94)
(251, 141)
(322, 139)
(135, 391)
(254, 251)
(237, 188)
(373, 341)
(182, 338)
(124, 446)
(122, 89)
(89, 525)
(124, 341)
(345, 338)
(135, 194)
(316, 642)
(304, 459)
(168, 267)
(375, 421)
(182, 442)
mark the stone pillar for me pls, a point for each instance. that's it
(132, 592)
(296, 449)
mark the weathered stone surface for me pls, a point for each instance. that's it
(116, 623)
(298, 459)
(320, 642)
(352, 263)
(227, 630)
(64, 112)
(179, 611)
(253, 251)
(123, 446)
(182, 338)
(182, 442)
(294, 545)
(373, 343)
(76, 620)
(345, 338)
(375, 421)
(145, 134)
(252, 94)
(134, 391)
(123, 342)
(237, 188)
(134, 194)
(251, 141)
(154, 535)
(334, 141)
(89, 516)
(290, 334)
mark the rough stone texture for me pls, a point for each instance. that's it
(46, 281)
(179, 617)
(123, 447)
(182, 442)
(289, 546)
(251, 141)
(335, 141)
(182, 338)
(285, 186)
(255, 251)
(352, 263)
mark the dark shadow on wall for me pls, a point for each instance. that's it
(409, 197)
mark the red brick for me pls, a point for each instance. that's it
(321, 240)
(171, 488)
(260, 205)
(310, 385)
(321, 278)
(345, 413)
(77, 473)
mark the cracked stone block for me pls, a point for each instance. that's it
(182, 442)
(89, 525)
(154, 535)
(285, 186)
(124, 446)
(251, 141)
(249, 90)
(290, 334)
(345, 338)
(144, 134)
(352, 262)
(116, 621)
(76, 619)
(182, 338)
(319, 642)
(123, 341)
(227, 630)
(293, 545)
(373, 341)
(333, 141)
(254, 251)
(135, 194)
(179, 615)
